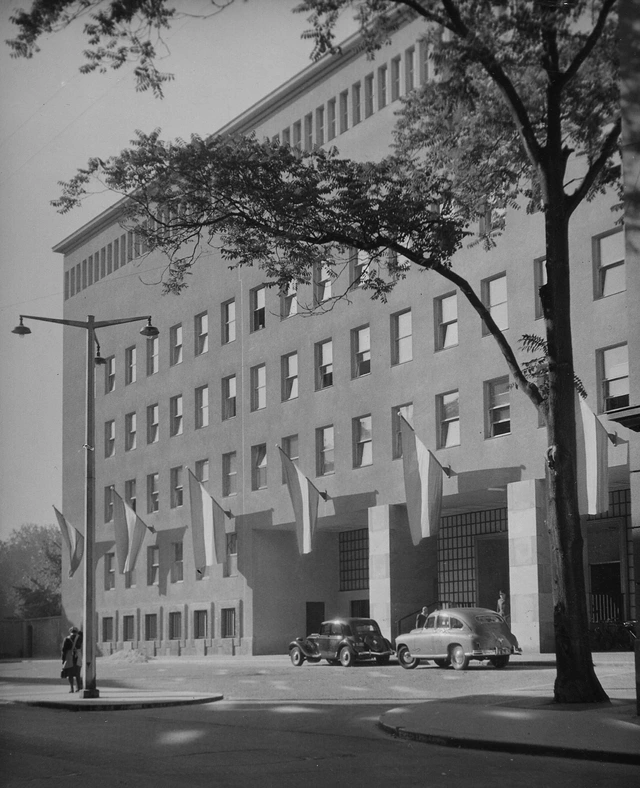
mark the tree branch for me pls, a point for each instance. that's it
(608, 147)
(590, 43)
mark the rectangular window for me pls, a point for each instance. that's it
(494, 297)
(424, 62)
(382, 87)
(331, 119)
(344, 111)
(202, 407)
(324, 364)
(153, 565)
(109, 259)
(258, 387)
(175, 345)
(446, 317)
(153, 351)
(360, 265)
(175, 476)
(259, 467)
(401, 337)
(290, 448)
(497, 408)
(257, 300)
(409, 69)
(84, 274)
(320, 126)
(130, 493)
(175, 626)
(177, 565)
(109, 438)
(153, 493)
(229, 390)
(297, 134)
(229, 474)
(614, 376)
(130, 365)
(361, 352)
(286, 136)
(353, 548)
(325, 459)
(608, 252)
(153, 423)
(202, 470)
(289, 366)
(201, 333)
(323, 280)
(308, 131)
(130, 431)
(395, 78)
(90, 270)
(405, 411)
(200, 628)
(110, 374)
(109, 571)
(289, 301)
(228, 622)
(356, 103)
(67, 293)
(232, 554)
(123, 250)
(368, 96)
(108, 503)
(175, 415)
(128, 628)
(448, 415)
(107, 629)
(228, 322)
(151, 626)
(539, 279)
(362, 441)
(116, 254)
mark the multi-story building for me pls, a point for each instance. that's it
(238, 369)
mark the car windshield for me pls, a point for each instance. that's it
(489, 618)
(366, 628)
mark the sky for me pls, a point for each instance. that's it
(52, 119)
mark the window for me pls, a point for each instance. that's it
(109, 571)
(110, 374)
(177, 565)
(290, 448)
(229, 387)
(409, 69)
(153, 493)
(259, 467)
(362, 442)
(175, 345)
(297, 134)
(130, 430)
(539, 279)
(405, 411)
(108, 503)
(175, 415)
(258, 387)
(614, 374)
(202, 407)
(153, 345)
(382, 87)
(175, 626)
(368, 95)
(308, 131)
(448, 414)
(232, 554)
(289, 376)
(130, 493)
(325, 461)
(320, 126)
(401, 339)
(446, 316)
(608, 252)
(202, 470)
(153, 423)
(494, 297)
(286, 136)
(361, 352)
(360, 264)
(228, 322)
(497, 408)
(201, 333)
(107, 629)
(128, 628)
(151, 626)
(356, 105)
(130, 365)
(228, 622)
(153, 565)
(344, 111)
(229, 474)
(424, 62)
(175, 476)
(258, 308)
(323, 280)
(109, 438)
(395, 78)
(353, 548)
(324, 364)
(199, 624)
(288, 301)
(331, 119)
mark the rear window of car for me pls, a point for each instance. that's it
(488, 618)
(336, 629)
(366, 628)
(456, 624)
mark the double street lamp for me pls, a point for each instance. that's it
(90, 325)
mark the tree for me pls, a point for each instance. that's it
(524, 111)
(30, 572)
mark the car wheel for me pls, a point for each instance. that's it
(405, 659)
(346, 657)
(442, 663)
(500, 662)
(459, 659)
(383, 660)
(333, 661)
(296, 655)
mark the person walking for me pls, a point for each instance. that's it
(72, 657)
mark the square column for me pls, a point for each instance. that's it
(380, 567)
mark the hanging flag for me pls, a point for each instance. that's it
(422, 484)
(304, 499)
(129, 532)
(208, 528)
(74, 541)
(592, 462)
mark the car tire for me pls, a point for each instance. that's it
(459, 660)
(346, 657)
(405, 659)
(296, 656)
(500, 662)
(442, 663)
(383, 660)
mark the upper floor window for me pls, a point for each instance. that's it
(259, 466)
(324, 364)
(175, 344)
(108, 503)
(258, 308)
(410, 69)
(497, 407)
(258, 387)
(201, 407)
(201, 333)
(288, 301)
(297, 134)
(361, 351)
(344, 111)
(130, 365)
(290, 448)
(228, 322)
(153, 565)
(153, 423)
(177, 565)
(356, 106)
(395, 78)
(331, 119)
(494, 297)
(360, 266)
(382, 87)
(109, 438)
(325, 461)
(446, 316)
(153, 351)
(229, 473)
(323, 280)
(110, 374)
(614, 377)
(130, 493)
(153, 493)
(405, 411)
(448, 414)
(320, 126)
(362, 441)
(289, 376)
(202, 470)
(175, 477)
(401, 339)
(368, 95)
(229, 388)
(109, 571)
(286, 136)
(608, 252)
(130, 431)
(308, 131)
(175, 415)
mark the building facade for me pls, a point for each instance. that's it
(240, 368)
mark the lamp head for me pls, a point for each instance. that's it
(21, 330)
(149, 330)
(99, 361)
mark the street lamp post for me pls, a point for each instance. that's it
(90, 689)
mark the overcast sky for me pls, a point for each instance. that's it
(52, 120)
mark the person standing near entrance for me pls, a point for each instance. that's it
(502, 605)
(71, 658)
(421, 618)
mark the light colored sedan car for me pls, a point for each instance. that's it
(457, 635)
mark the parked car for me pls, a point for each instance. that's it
(457, 635)
(343, 641)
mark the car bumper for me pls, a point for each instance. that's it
(372, 654)
(485, 653)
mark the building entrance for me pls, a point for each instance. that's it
(492, 565)
(315, 616)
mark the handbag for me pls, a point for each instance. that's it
(62, 676)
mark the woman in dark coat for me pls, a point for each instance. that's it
(72, 657)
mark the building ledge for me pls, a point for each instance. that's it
(627, 417)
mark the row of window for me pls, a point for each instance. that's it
(202, 628)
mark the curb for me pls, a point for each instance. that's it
(106, 704)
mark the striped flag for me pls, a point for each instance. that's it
(592, 462)
(74, 541)
(304, 499)
(208, 526)
(422, 484)
(129, 532)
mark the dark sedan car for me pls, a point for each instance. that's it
(457, 635)
(343, 641)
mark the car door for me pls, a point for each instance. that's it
(421, 644)
(335, 638)
(324, 639)
(442, 635)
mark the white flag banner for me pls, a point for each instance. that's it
(304, 499)
(73, 539)
(592, 461)
(129, 531)
(208, 526)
